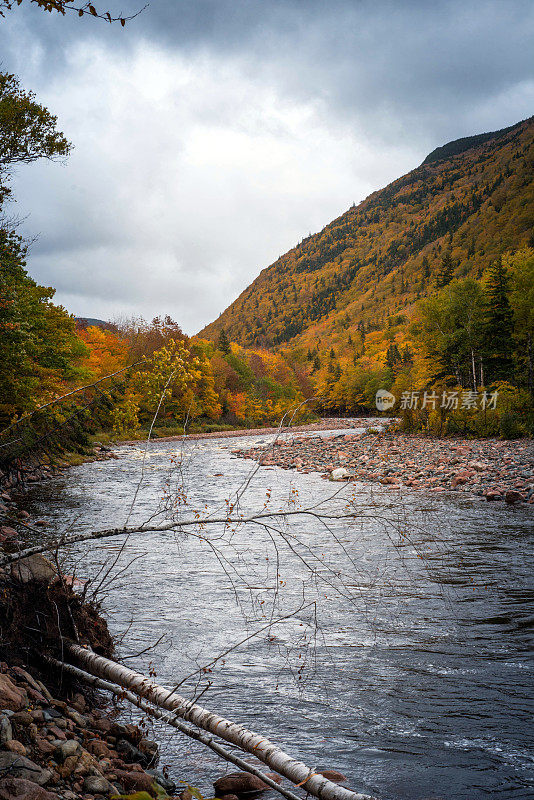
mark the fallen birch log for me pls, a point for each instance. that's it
(199, 523)
(170, 719)
(236, 734)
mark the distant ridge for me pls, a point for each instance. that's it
(458, 146)
(87, 322)
(470, 202)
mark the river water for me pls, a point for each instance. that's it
(407, 663)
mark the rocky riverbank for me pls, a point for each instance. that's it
(55, 741)
(65, 748)
(16, 477)
(490, 469)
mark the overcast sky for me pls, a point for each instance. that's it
(211, 135)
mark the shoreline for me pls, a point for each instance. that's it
(325, 424)
(488, 469)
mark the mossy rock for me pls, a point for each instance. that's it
(159, 790)
(134, 796)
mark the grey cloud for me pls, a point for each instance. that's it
(211, 135)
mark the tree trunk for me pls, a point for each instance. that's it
(170, 719)
(530, 365)
(259, 746)
(195, 522)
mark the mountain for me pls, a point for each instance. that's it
(469, 202)
(86, 322)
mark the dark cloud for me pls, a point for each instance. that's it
(212, 134)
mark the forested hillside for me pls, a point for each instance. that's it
(452, 215)
(426, 286)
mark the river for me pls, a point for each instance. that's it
(409, 664)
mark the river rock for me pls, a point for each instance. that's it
(99, 749)
(21, 767)
(12, 696)
(20, 789)
(67, 749)
(7, 533)
(512, 497)
(238, 783)
(332, 775)
(44, 746)
(21, 719)
(97, 784)
(34, 568)
(339, 474)
(150, 750)
(164, 782)
(78, 718)
(14, 746)
(135, 781)
(131, 754)
(6, 731)
(79, 765)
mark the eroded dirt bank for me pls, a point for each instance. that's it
(59, 739)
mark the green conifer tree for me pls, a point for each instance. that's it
(223, 342)
(425, 271)
(498, 324)
(446, 273)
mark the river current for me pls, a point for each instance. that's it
(407, 661)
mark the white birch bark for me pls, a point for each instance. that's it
(198, 523)
(236, 734)
(170, 719)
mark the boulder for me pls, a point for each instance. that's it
(136, 781)
(14, 746)
(20, 789)
(34, 568)
(97, 784)
(339, 474)
(67, 749)
(132, 755)
(512, 497)
(162, 780)
(21, 767)
(238, 783)
(11, 696)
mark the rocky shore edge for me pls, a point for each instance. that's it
(489, 469)
(60, 738)
(16, 478)
(52, 748)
